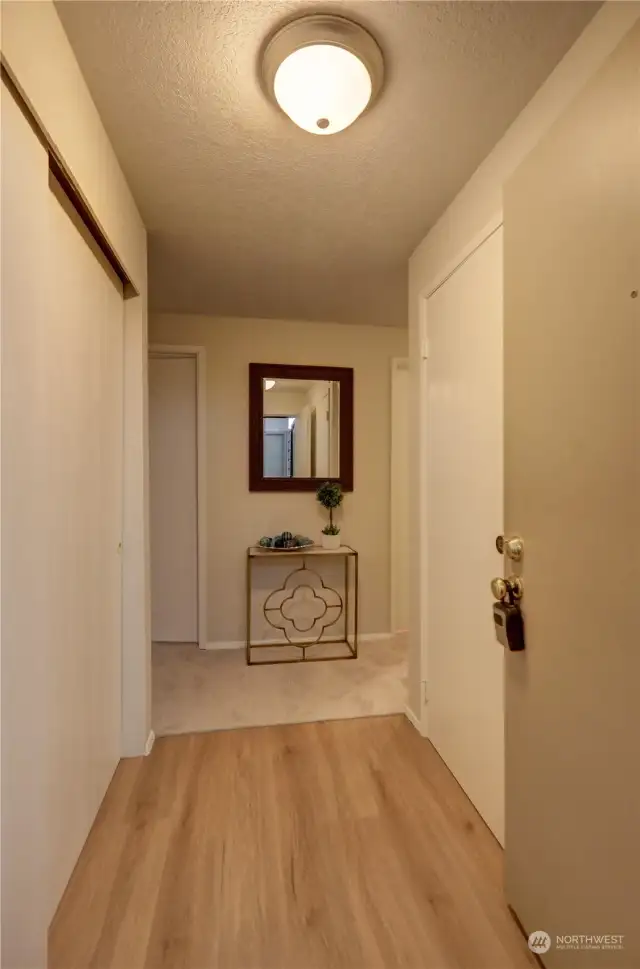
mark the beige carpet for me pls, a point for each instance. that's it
(196, 690)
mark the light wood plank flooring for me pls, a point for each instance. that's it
(342, 845)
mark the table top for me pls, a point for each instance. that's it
(258, 552)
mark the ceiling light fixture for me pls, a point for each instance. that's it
(323, 71)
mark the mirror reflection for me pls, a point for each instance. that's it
(301, 428)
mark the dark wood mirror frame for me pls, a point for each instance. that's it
(258, 372)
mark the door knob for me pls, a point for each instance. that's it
(511, 588)
(513, 548)
(499, 589)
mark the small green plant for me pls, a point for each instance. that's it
(331, 530)
(330, 497)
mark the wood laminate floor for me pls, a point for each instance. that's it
(342, 845)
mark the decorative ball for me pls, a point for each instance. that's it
(278, 542)
(266, 541)
(286, 536)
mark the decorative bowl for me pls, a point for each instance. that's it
(285, 542)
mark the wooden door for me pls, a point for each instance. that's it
(572, 491)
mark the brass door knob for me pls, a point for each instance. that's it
(512, 588)
(513, 548)
(499, 589)
(515, 586)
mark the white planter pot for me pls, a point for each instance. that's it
(330, 542)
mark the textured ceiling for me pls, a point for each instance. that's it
(250, 216)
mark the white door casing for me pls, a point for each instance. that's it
(323, 454)
(400, 512)
(464, 511)
(572, 491)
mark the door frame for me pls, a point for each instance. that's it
(420, 718)
(398, 364)
(200, 356)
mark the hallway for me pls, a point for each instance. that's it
(319, 322)
(344, 844)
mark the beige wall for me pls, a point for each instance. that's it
(476, 205)
(283, 403)
(481, 197)
(42, 63)
(236, 517)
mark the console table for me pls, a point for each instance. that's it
(304, 610)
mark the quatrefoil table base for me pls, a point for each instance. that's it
(304, 611)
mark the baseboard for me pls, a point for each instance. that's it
(413, 720)
(240, 644)
(225, 644)
(525, 935)
(148, 747)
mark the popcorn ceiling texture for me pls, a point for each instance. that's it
(250, 216)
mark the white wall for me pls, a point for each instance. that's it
(476, 205)
(63, 727)
(236, 517)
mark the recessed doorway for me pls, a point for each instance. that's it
(176, 471)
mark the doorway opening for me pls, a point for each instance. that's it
(279, 446)
(177, 458)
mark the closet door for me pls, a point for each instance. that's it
(84, 450)
(465, 664)
(62, 440)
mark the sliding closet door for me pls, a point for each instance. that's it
(62, 331)
(85, 336)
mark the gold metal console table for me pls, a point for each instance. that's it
(327, 607)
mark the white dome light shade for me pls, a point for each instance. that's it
(323, 88)
(323, 71)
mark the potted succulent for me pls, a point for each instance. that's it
(330, 497)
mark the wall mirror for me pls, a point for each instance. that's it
(300, 427)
